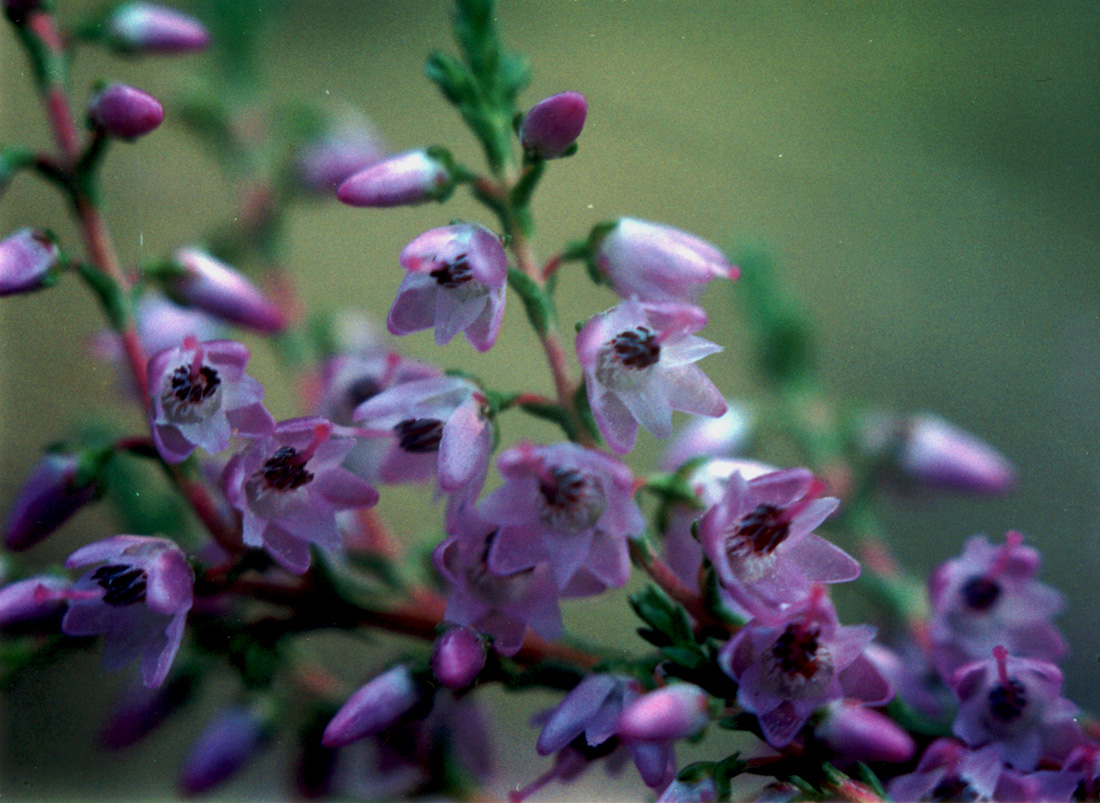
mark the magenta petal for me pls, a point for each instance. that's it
(414, 308)
(515, 548)
(823, 562)
(464, 446)
(863, 681)
(344, 490)
(289, 552)
(572, 716)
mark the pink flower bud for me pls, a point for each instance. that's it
(372, 709)
(32, 599)
(553, 125)
(670, 713)
(152, 28)
(48, 498)
(27, 260)
(409, 178)
(458, 657)
(939, 454)
(230, 739)
(216, 288)
(858, 733)
(125, 112)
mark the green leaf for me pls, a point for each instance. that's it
(539, 307)
(453, 79)
(669, 622)
(555, 414)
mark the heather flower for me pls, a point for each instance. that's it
(50, 496)
(500, 605)
(458, 657)
(153, 28)
(33, 600)
(724, 436)
(438, 423)
(454, 282)
(28, 262)
(125, 112)
(408, 178)
(374, 707)
(200, 396)
(948, 771)
(227, 743)
(138, 598)
(215, 288)
(1079, 778)
(553, 125)
(584, 727)
(989, 596)
(671, 712)
(638, 362)
(138, 711)
(658, 263)
(760, 537)
(1015, 704)
(566, 506)
(288, 487)
(858, 733)
(350, 146)
(791, 662)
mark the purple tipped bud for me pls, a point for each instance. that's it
(669, 713)
(228, 742)
(553, 125)
(27, 262)
(458, 657)
(858, 733)
(939, 454)
(125, 112)
(409, 178)
(32, 600)
(152, 28)
(216, 288)
(372, 709)
(48, 498)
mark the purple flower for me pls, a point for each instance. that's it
(638, 362)
(50, 496)
(553, 125)
(458, 657)
(201, 396)
(989, 596)
(288, 487)
(789, 663)
(858, 733)
(500, 605)
(138, 711)
(32, 600)
(724, 436)
(566, 506)
(435, 424)
(658, 263)
(28, 262)
(408, 178)
(948, 771)
(374, 707)
(153, 28)
(228, 742)
(760, 537)
(1017, 705)
(454, 282)
(349, 147)
(214, 287)
(125, 112)
(138, 598)
(672, 712)
(584, 727)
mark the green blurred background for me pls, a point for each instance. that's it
(925, 174)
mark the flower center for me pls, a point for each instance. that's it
(572, 501)
(285, 470)
(798, 666)
(751, 543)
(496, 589)
(453, 274)
(980, 593)
(123, 585)
(636, 348)
(190, 396)
(419, 435)
(954, 788)
(1007, 701)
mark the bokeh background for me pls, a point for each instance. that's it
(926, 176)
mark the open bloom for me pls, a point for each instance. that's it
(948, 771)
(201, 396)
(638, 362)
(138, 598)
(288, 487)
(789, 663)
(437, 422)
(760, 537)
(989, 596)
(658, 263)
(454, 282)
(566, 506)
